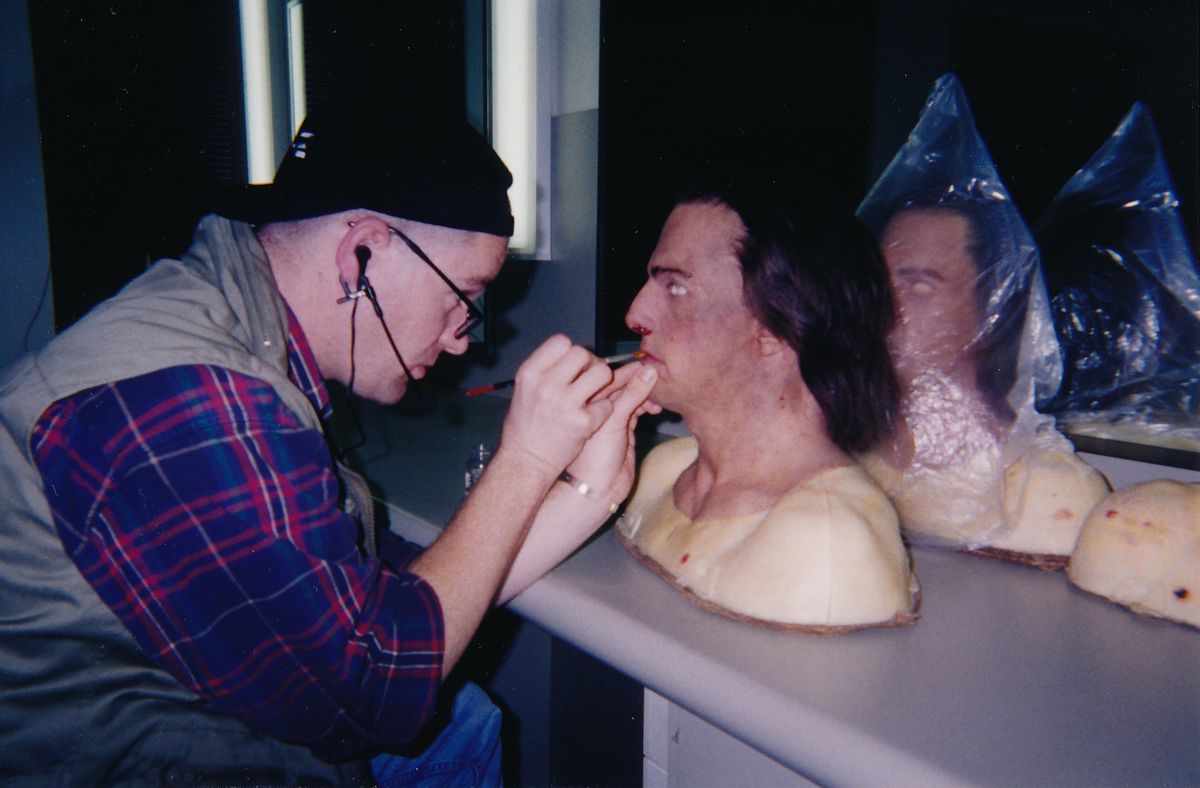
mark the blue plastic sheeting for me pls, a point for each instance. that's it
(1125, 294)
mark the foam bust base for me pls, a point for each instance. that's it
(827, 558)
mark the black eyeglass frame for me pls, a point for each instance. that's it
(474, 313)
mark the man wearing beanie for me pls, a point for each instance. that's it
(191, 587)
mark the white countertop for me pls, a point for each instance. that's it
(1011, 676)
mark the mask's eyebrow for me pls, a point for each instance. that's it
(928, 273)
(664, 270)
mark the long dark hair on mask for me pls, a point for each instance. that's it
(813, 276)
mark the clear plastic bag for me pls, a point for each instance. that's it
(973, 340)
(1125, 296)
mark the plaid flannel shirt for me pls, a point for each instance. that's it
(207, 517)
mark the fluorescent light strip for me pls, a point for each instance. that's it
(514, 107)
(295, 25)
(256, 81)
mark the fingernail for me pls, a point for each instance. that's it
(648, 373)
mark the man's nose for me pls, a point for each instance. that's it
(637, 318)
(899, 303)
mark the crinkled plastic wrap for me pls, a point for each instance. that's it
(973, 338)
(1125, 296)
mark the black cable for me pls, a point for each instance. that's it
(362, 435)
(37, 311)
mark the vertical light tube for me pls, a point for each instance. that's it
(295, 30)
(256, 81)
(514, 109)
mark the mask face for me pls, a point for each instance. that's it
(692, 315)
(934, 284)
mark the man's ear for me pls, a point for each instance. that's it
(365, 237)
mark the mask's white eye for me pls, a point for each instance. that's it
(677, 289)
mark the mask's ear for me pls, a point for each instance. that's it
(768, 344)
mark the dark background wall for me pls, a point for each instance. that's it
(141, 115)
(827, 94)
(137, 112)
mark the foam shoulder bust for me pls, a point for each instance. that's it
(827, 557)
(955, 507)
(1048, 493)
(1140, 547)
(1029, 514)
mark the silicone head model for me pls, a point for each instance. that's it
(952, 469)
(939, 260)
(767, 325)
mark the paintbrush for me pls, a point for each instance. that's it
(503, 384)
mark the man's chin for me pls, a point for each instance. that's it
(389, 396)
(402, 389)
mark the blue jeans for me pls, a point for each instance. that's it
(465, 753)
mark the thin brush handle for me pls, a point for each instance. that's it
(503, 384)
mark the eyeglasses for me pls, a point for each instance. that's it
(474, 314)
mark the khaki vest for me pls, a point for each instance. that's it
(80, 703)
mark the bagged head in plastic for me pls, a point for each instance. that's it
(972, 344)
(948, 276)
(1125, 294)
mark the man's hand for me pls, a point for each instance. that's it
(606, 461)
(554, 411)
(555, 407)
(564, 395)
(565, 519)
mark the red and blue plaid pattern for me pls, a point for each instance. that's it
(207, 517)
